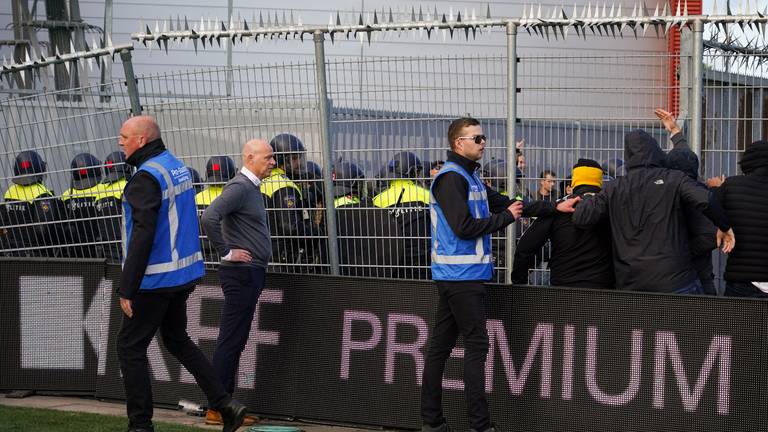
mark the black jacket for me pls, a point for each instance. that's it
(450, 191)
(144, 196)
(580, 257)
(646, 209)
(745, 199)
(702, 233)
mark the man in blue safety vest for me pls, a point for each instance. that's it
(162, 264)
(464, 213)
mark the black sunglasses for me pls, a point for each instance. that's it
(476, 138)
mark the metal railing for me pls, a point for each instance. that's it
(369, 111)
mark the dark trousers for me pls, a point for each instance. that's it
(167, 312)
(242, 286)
(461, 310)
(743, 289)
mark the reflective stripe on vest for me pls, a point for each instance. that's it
(276, 181)
(175, 258)
(92, 192)
(206, 197)
(114, 189)
(454, 258)
(345, 200)
(27, 193)
(173, 218)
(401, 192)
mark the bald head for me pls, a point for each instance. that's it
(136, 132)
(258, 157)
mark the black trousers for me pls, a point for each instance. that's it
(461, 310)
(167, 312)
(242, 286)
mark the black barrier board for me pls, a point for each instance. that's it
(352, 350)
(50, 324)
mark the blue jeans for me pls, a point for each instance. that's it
(692, 288)
(743, 289)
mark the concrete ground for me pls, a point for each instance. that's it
(90, 405)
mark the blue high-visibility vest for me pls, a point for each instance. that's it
(453, 258)
(175, 258)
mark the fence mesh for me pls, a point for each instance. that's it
(388, 119)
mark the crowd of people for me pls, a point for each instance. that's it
(383, 222)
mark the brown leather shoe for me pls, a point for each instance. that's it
(213, 417)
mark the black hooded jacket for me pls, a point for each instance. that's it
(646, 209)
(745, 199)
(702, 232)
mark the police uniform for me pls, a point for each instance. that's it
(367, 236)
(109, 204)
(29, 211)
(286, 222)
(80, 202)
(408, 203)
(218, 170)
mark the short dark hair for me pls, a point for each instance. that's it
(547, 172)
(457, 125)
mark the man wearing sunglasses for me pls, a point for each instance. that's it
(464, 214)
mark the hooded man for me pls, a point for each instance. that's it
(580, 257)
(646, 210)
(745, 199)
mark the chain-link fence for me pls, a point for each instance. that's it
(387, 126)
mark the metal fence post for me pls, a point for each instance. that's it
(325, 141)
(511, 140)
(697, 82)
(130, 81)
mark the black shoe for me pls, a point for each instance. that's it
(142, 429)
(440, 428)
(233, 415)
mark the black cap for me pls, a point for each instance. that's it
(346, 176)
(115, 167)
(28, 168)
(220, 169)
(86, 171)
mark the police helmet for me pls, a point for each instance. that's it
(197, 181)
(115, 167)
(284, 145)
(404, 165)
(495, 171)
(220, 169)
(346, 176)
(28, 168)
(312, 171)
(86, 171)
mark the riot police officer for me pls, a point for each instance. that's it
(408, 203)
(367, 236)
(80, 202)
(109, 204)
(218, 171)
(294, 233)
(30, 211)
